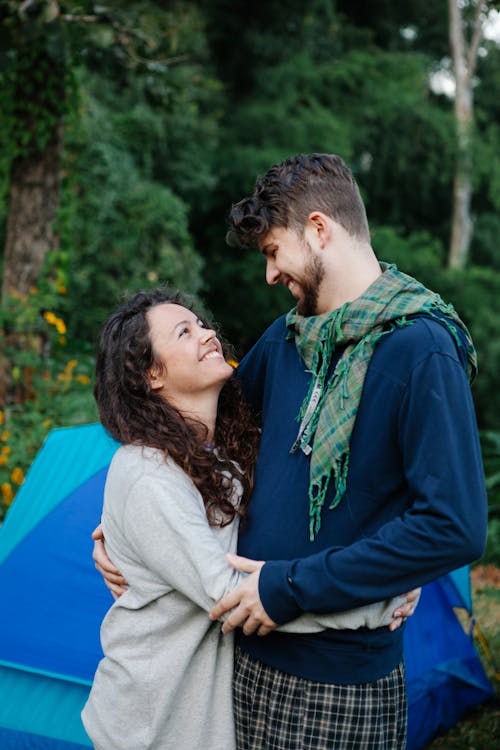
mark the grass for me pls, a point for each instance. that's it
(479, 729)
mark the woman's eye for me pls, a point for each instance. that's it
(183, 331)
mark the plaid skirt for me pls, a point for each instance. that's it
(278, 711)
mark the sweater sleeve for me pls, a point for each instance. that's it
(443, 528)
(165, 524)
(371, 616)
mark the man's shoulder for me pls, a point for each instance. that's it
(276, 331)
(404, 348)
(423, 334)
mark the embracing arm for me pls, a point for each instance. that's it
(249, 614)
(160, 524)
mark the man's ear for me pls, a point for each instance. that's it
(321, 226)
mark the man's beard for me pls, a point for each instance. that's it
(314, 273)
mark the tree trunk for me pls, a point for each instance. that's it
(33, 206)
(461, 225)
(464, 57)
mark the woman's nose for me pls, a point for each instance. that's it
(207, 334)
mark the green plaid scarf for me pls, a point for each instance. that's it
(329, 410)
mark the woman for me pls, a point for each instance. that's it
(175, 492)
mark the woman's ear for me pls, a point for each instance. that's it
(156, 378)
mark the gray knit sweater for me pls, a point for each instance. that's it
(165, 680)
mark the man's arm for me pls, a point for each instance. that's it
(249, 614)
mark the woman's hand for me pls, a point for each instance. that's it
(405, 610)
(113, 579)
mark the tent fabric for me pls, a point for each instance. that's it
(54, 601)
(53, 597)
(444, 674)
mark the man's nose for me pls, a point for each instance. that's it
(272, 273)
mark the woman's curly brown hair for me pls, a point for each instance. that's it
(134, 414)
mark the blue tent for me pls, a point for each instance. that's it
(53, 602)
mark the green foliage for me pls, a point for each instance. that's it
(418, 254)
(125, 230)
(49, 387)
(248, 303)
(475, 293)
(36, 82)
(62, 397)
(490, 446)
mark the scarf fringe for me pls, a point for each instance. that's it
(317, 492)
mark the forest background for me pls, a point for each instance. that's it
(127, 130)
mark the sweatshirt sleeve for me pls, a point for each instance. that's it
(443, 528)
(166, 526)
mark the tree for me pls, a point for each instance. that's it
(464, 55)
(45, 44)
(34, 100)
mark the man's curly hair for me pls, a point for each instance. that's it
(286, 195)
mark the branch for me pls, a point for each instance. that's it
(477, 34)
(71, 18)
(24, 6)
(124, 34)
(456, 37)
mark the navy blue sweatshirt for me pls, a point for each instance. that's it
(415, 506)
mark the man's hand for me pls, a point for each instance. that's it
(112, 576)
(405, 610)
(244, 600)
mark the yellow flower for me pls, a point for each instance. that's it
(61, 289)
(71, 364)
(3, 460)
(83, 379)
(50, 318)
(2, 417)
(62, 340)
(5, 436)
(47, 423)
(60, 326)
(6, 450)
(7, 494)
(33, 290)
(17, 476)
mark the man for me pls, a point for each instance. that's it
(369, 476)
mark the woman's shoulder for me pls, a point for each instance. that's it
(132, 462)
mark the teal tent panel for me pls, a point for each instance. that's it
(46, 711)
(461, 580)
(50, 478)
